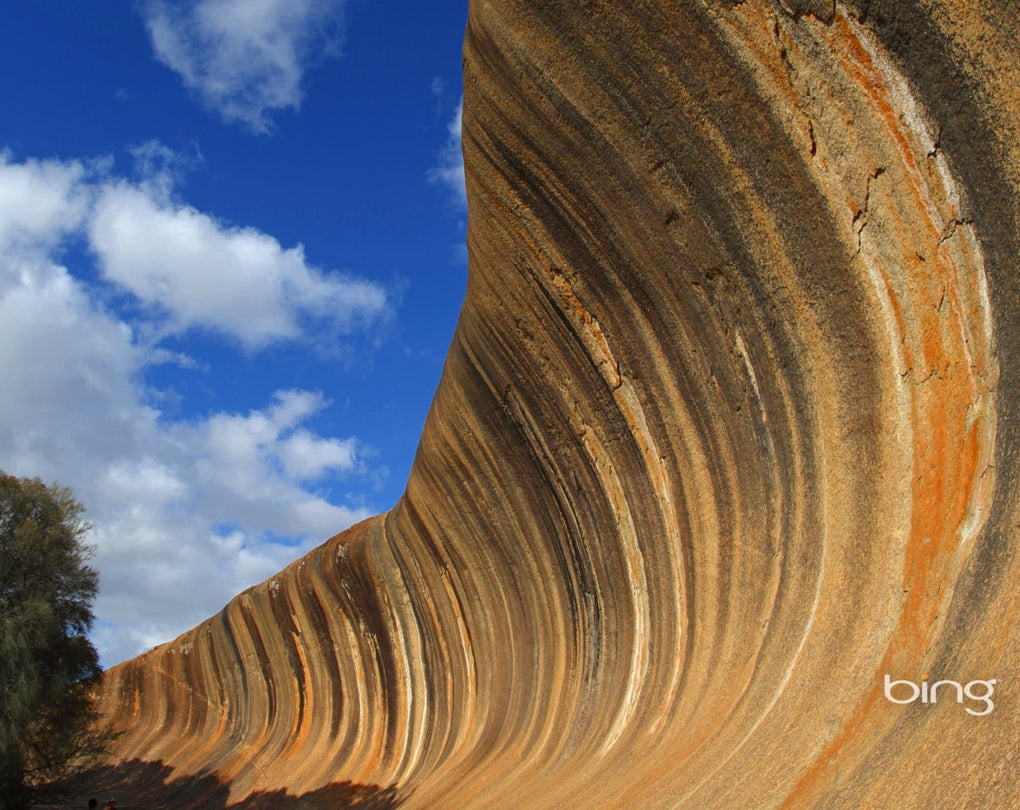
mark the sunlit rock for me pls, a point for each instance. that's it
(725, 446)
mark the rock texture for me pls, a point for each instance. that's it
(727, 433)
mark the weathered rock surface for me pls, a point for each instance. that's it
(728, 432)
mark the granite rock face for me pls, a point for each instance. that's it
(727, 434)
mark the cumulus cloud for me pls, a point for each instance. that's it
(202, 513)
(68, 371)
(450, 168)
(40, 202)
(234, 280)
(246, 464)
(244, 58)
(186, 511)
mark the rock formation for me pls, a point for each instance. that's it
(727, 434)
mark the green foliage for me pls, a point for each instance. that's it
(47, 664)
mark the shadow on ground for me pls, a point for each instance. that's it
(139, 785)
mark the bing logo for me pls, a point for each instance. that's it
(908, 692)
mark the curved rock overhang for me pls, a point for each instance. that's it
(727, 434)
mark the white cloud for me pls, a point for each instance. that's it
(186, 512)
(244, 58)
(251, 458)
(237, 281)
(450, 169)
(159, 167)
(198, 517)
(40, 201)
(68, 369)
(307, 457)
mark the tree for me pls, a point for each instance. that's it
(47, 663)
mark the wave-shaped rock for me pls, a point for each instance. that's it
(728, 432)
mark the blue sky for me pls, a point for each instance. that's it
(231, 262)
